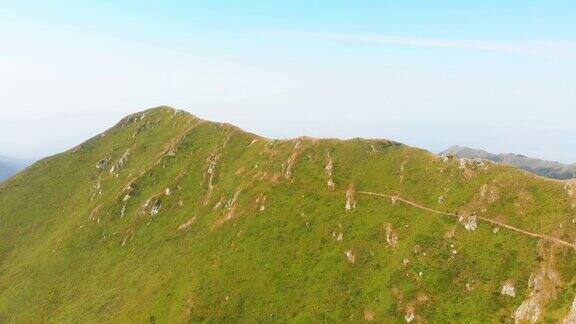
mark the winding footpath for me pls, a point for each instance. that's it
(510, 227)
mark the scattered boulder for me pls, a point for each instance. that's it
(103, 164)
(350, 256)
(469, 221)
(508, 289)
(339, 237)
(441, 199)
(409, 316)
(450, 233)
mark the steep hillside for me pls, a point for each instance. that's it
(170, 218)
(549, 169)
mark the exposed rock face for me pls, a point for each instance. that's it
(186, 225)
(123, 211)
(328, 170)
(288, 166)
(210, 173)
(230, 208)
(96, 188)
(155, 207)
(350, 201)
(543, 285)
(261, 202)
(571, 317)
(118, 164)
(391, 236)
(529, 311)
(330, 184)
(102, 164)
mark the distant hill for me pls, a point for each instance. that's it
(168, 218)
(10, 166)
(548, 169)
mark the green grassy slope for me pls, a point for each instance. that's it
(169, 218)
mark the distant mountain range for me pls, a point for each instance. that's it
(549, 169)
(10, 166)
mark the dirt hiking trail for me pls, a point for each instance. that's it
(510, 227)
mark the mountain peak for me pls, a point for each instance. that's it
(170, 218)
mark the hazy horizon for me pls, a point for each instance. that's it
(493, 76)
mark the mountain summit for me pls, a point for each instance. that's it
(170, 218)
(549, 169)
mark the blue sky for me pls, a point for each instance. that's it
(497, 75)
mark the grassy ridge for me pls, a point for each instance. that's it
(203, 221)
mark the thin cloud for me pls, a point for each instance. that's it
(557, 50)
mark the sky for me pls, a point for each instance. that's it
(496, 75)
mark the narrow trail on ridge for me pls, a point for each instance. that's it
(495, 222)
